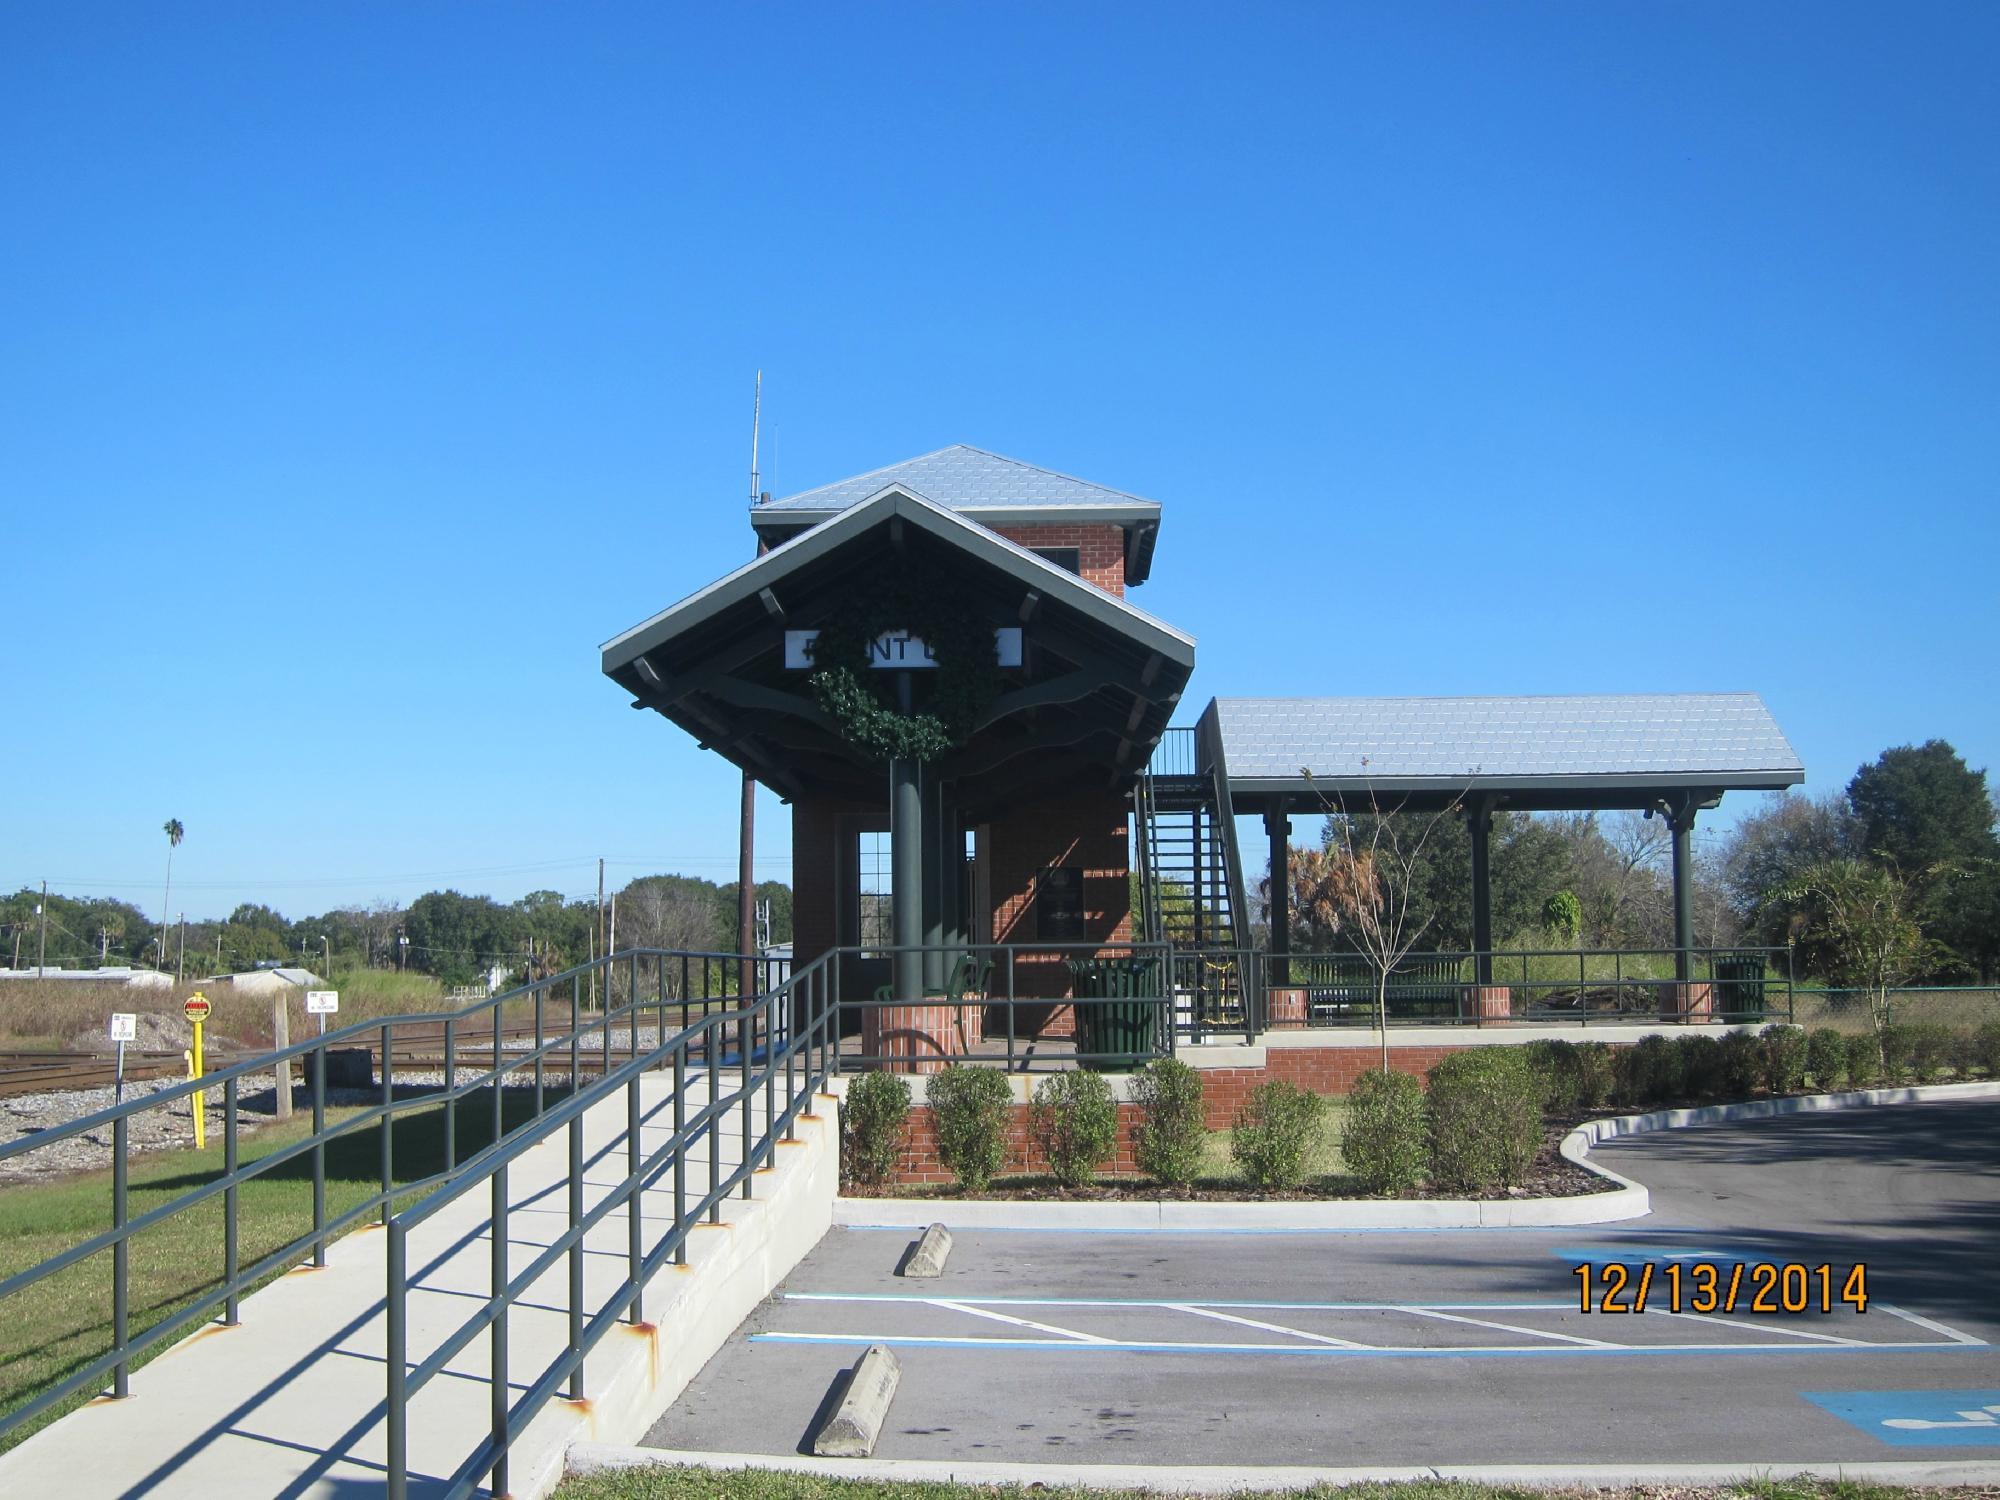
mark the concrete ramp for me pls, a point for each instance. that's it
(291, 1403)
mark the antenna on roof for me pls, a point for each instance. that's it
(756, 420)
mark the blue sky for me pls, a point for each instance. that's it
(363, 367)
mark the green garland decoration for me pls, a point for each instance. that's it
(858, 698)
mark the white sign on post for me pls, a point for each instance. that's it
(124, 1027)
(322, 1002)
(898, 650)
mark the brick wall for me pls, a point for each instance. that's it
(1324, 1070)
(919, 1164)
(1084, 829)
(1101, 549)
(816, 839)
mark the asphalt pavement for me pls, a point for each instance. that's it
(1443, 1347)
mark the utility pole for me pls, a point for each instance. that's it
(600, 930)
(42, 948)
(181, 959)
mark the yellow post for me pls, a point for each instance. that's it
(200, 1121)
(196, 1010)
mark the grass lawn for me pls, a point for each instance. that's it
(63, 1322)
(756, 1484)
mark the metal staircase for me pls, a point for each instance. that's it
(1191, 881)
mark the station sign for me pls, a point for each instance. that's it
(898, 650)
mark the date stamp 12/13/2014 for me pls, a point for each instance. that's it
(1766, 1287)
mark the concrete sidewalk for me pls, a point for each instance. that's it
(291, 1402)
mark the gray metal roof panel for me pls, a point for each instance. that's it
(962, 477)
(1630, 735)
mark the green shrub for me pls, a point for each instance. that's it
(1893, 1045)
(1826, 1057)
(1173, 1124)
(1075, 1121)
(1386, 1140)
(1740, 1064)
(1553, 1062)
(969, 1107)
(1594, 1074)
(1986, 1049)
(1928, 1046)
(1863, 1061)
(1486, 1124)
(1657, 1071)
(1701, 1066)
(1784, 1058)
(1273, 1131)
(873, 1120)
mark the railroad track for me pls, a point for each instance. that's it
(417, 1047)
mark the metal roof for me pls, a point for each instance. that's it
(1714, 739)
(971, 479)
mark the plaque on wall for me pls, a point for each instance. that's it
(1059, 905)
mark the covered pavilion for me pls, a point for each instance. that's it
(1665, 754)
(1023, 828)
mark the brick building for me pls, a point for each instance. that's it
(1019, 835)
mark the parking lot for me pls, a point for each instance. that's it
(1446, 1347)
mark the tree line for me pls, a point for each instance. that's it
(456, 937)
(1913, 834)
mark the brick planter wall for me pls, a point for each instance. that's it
(920, 1165)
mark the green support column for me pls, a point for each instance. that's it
(1680, 818)
(1278, 823)
(906, 875)
(934, 878)
(1479, 817)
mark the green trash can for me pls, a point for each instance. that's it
(1739, 986)
(1120, 1028)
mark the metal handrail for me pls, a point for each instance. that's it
(802, 1007)
(125, 1348)
(1006, 996)
(1452, 976)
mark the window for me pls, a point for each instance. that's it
(1068, 558)
(871, 889)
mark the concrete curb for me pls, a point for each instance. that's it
(1210, 1479)
(1626, 1200)
(856, 1424)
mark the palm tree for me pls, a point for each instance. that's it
(175, 833)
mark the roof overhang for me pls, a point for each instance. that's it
(1100, 682)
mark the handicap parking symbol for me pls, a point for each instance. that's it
(1918, 1419)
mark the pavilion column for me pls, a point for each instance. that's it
(906, 876)
(1680, 819)
(1278, 824)
(1479, 818)
(933, 842)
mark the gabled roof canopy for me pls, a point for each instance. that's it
(988, 487)
(1610, 751)
(1098, 683)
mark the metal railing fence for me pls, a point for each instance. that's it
(787, 1030)
(1555, 986)
(480, 1028)
(998, 998)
